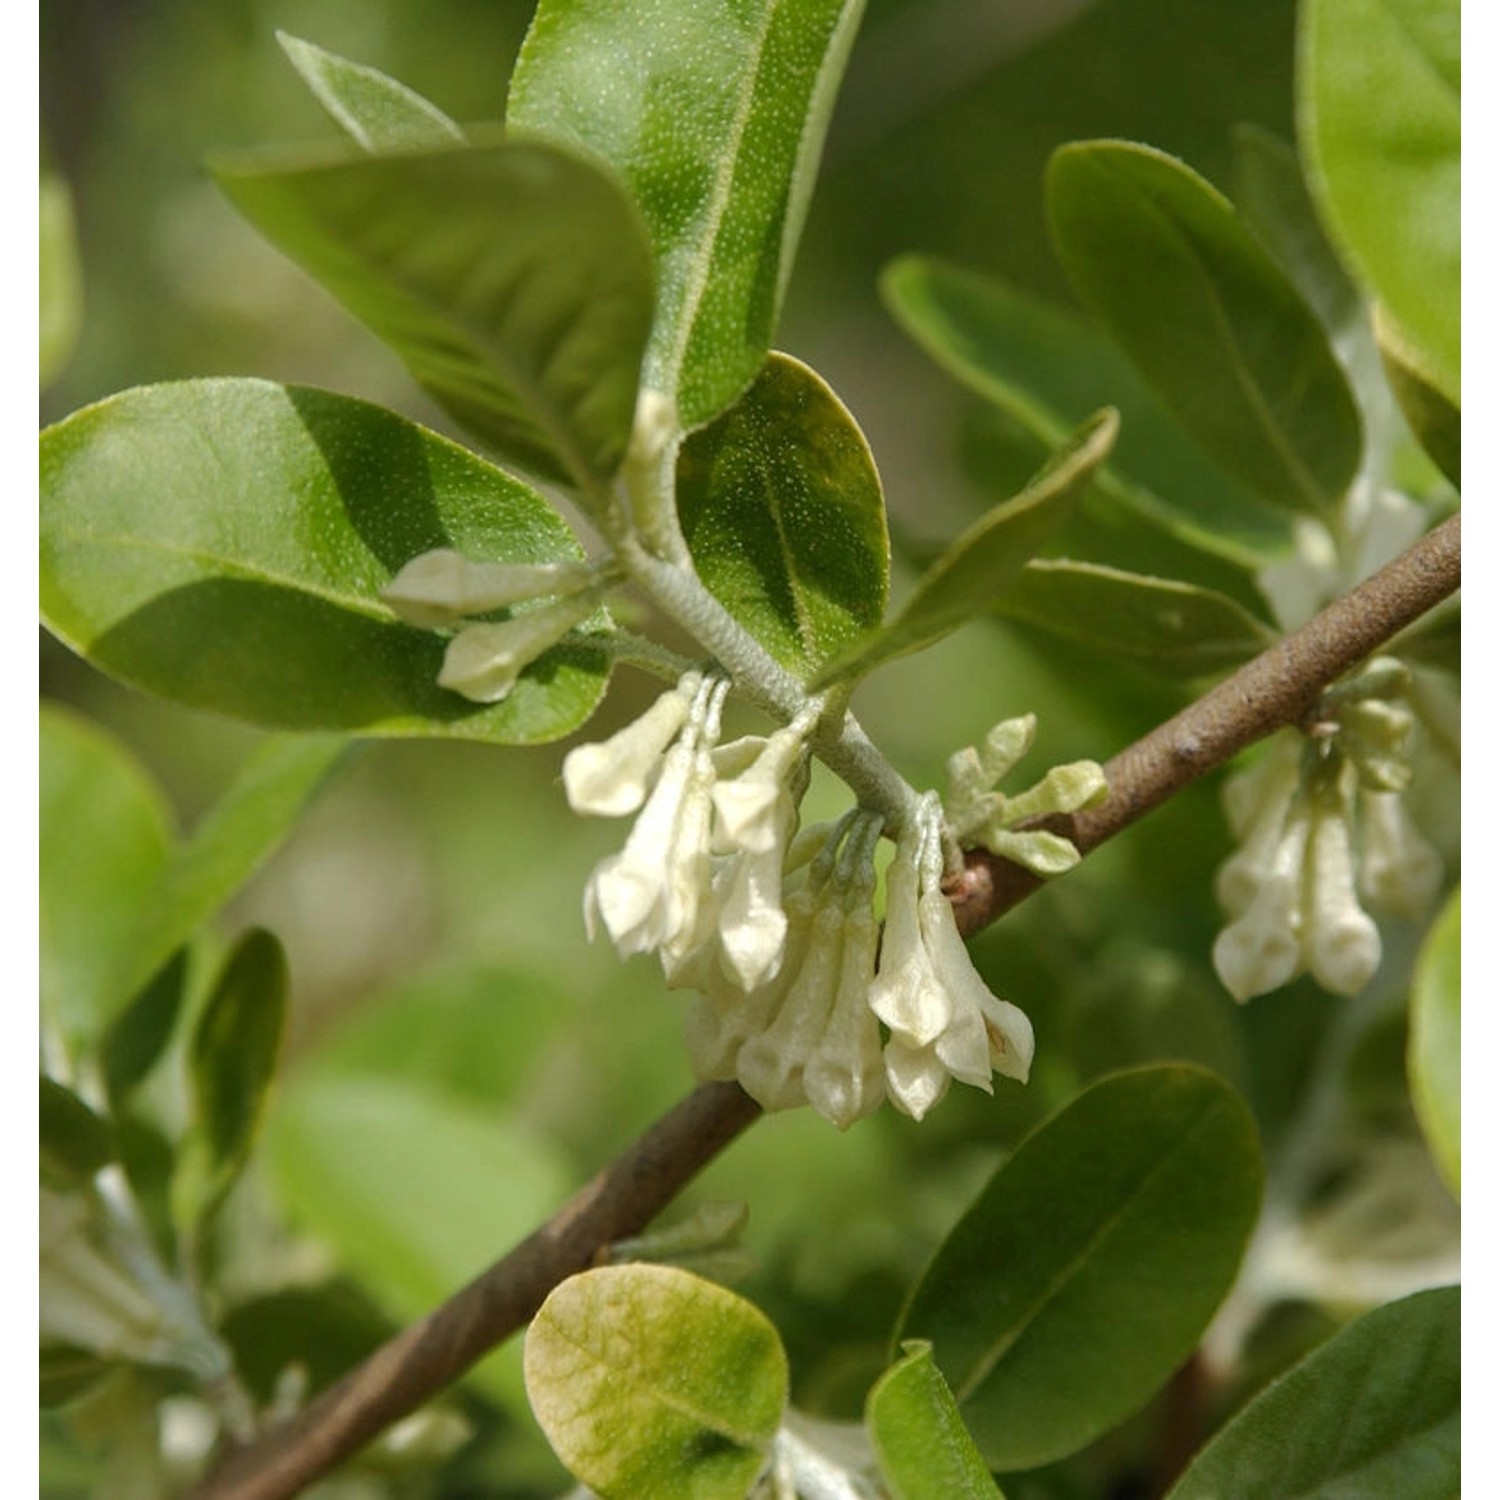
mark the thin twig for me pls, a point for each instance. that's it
(418, 1362)
(1278, 688)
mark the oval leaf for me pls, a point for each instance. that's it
(1208, 317)
(1160, 623)
(924, 1449)
(1048, 372)
(970, 576)
(1089, 1267)
(139, 1035)
(1433, 417)
(231, 1062)
(714, 117)
(649, 1380)
(783, 513)
(223, 542)
(75, 1142)
(1375, 1411)
(514, 280)
(1432, 1058)
(106, 836)
(1378, 86)
(376, 113)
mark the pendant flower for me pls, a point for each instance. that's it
(944, 1022)
(1321, 824)
(806, 1034)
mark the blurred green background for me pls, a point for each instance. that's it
(459, 1056)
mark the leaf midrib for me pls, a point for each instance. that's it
(712, 220)
(1241, 372)
(213, 563)
(985, 1365)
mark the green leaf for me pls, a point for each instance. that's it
(1089, 1266)
(223, 542)
(1160, 623)
(1378, 85)
(1271, 195)
(1434, 418)
(714, 117)
(231, 1062)
(783, 513)
(971, 575)
(1375, 1411)
(1208, 318)
(376, 112)
(514, 280)
(232, 840)
(924, 1449)
(648, 1380)
(137, 1037)
(414, 1192)
(1047, 371)
(75, 1142)
(1432, 1059)
(60, 278)
(106, 836)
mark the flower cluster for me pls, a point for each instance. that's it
(794, 984)
(1323, 829)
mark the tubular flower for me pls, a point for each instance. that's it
(944, 1022)
(805, 1034)
(652, 895)
(1321, 825)
(484, 662)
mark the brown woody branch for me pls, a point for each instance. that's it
(1280, 687)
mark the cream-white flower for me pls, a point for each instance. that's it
(611, 778)
(805, 1034)
(944, 1022)
(652, 895)
(484, 662)
(442, 587)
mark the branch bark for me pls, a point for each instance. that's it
(1280, 687)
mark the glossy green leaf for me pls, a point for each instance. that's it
(783, 513)
(106, 836)
(1378, 103)
(1271, 195)
(237, 834)
(1433, 417)
(137, 1037)
(1160, 623)
(223, 543)
(648, 1380)
(1090, 1265)
(1432, 1060)
(1208, 318)
(1047, 371)
(74, 1141)
(924, 1449)
(415, 1193)
(376, 112)
(59, 278)
(514, 280)
(970, 576)
(231, 1063)
(714, 116)
(1375, 1411)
